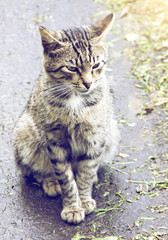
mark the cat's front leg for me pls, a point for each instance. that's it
(86, 175)
(72, 211)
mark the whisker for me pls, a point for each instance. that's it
(57, 89)
(56, 95)
(60, 93)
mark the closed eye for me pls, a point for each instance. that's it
(96, 65)
(72, 69)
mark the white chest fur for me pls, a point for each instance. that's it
(74, 102)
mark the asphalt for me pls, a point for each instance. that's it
(25, 212)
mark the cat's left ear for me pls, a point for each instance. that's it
(99, 29)
(49, 39)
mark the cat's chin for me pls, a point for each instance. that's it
(85, 91)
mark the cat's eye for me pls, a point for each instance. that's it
(72, 69)
(96, 65)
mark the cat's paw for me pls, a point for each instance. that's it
(88, 205)
(51, 187)
(73, 214)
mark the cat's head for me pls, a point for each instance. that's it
(74, 58)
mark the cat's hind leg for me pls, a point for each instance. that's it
(50, 184)
(32, 156)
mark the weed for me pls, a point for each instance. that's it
(112, 207)
(162, 184)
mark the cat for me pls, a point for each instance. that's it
(67, 127)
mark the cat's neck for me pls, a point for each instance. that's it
(75, 103)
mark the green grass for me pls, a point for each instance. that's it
(145, 28)
(143, 24)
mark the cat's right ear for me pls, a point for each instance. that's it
(49, 39)
(100, 28)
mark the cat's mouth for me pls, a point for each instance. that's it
(84, 91)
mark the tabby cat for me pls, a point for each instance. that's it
(67, 127)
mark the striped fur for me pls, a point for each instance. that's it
(67, 126)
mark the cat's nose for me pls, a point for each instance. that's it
(87, 84)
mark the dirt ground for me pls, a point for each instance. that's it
(132, 198)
